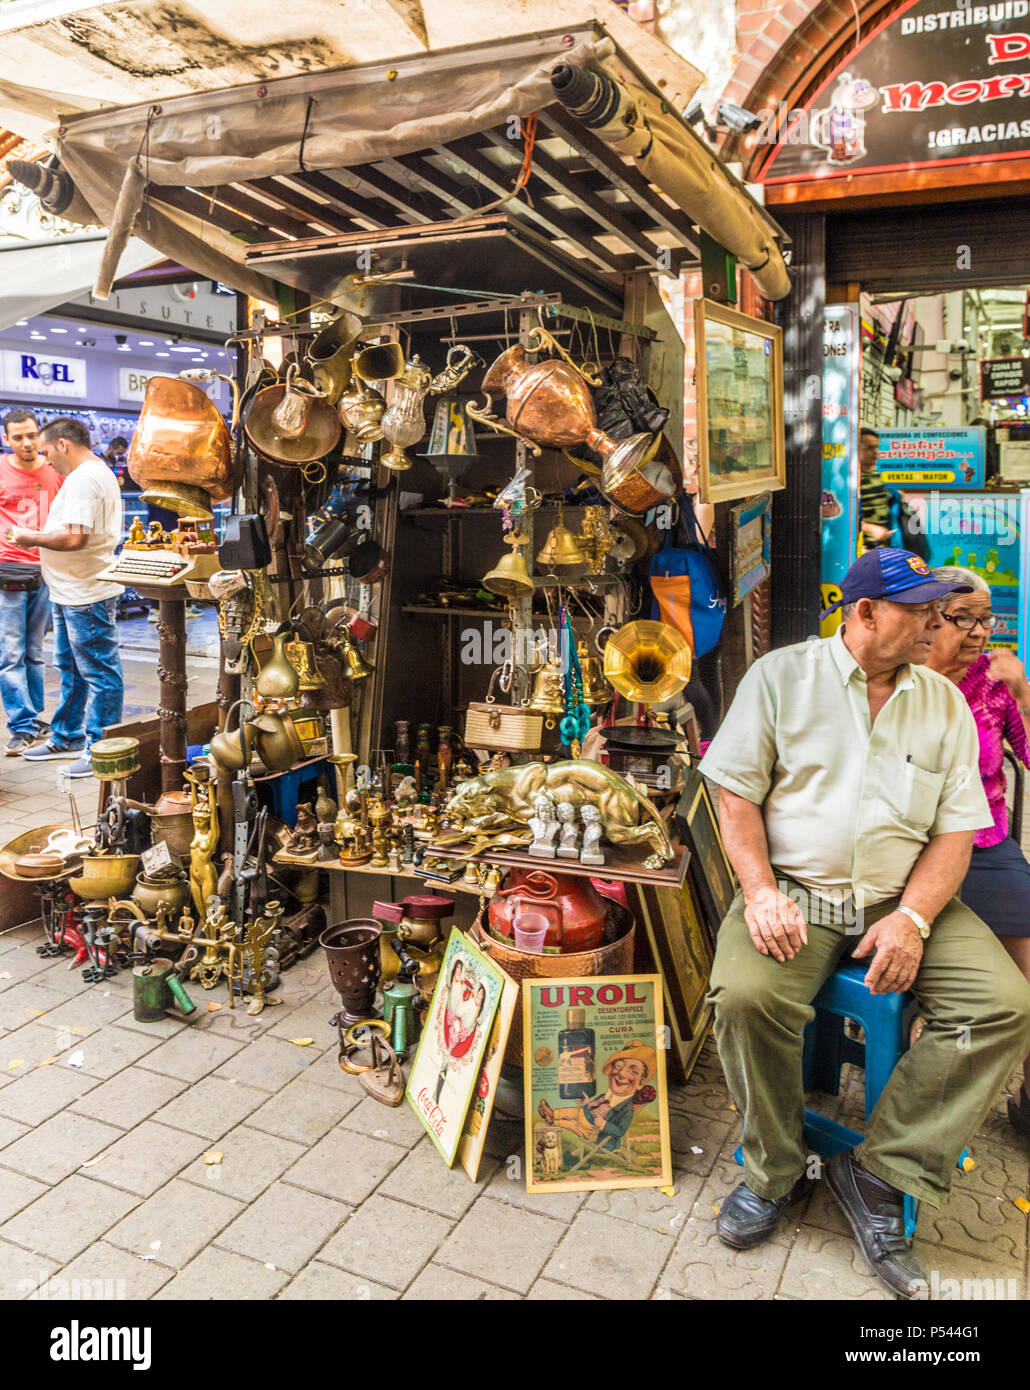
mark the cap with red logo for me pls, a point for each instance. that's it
(892, 574)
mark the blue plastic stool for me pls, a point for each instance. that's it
(885, 1020)
(284, 788)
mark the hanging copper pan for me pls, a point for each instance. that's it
(321, 432)
(181, 440)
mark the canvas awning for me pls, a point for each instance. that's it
(401, 142)
(38, 277)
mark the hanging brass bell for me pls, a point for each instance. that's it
(301, 656)
(357, 667)
(277, 679)
(596, 690)
(509, 577)
(548, 690)
(562, 551)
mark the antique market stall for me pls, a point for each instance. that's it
(453, 676)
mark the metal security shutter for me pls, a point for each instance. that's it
(926, 248)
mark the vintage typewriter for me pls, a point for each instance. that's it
(162, 568)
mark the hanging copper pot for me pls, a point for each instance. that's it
(181, 452)
(549, 403)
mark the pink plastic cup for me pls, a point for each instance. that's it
(531, 932)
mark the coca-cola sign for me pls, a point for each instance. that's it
(934, 85)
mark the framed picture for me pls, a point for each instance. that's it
(597, 1104)
(750, 545)
(709, 869)
(680, 942)
(740, 443)
(454, 1039)
(477, 1121)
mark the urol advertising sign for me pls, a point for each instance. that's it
(936, 84)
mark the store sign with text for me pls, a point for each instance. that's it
(936, 84)
(41, 374)
(1003, 377)
(839, 506)
(132, 385)
(934, 458)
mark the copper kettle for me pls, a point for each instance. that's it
(181, 439)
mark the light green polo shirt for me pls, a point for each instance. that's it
(848, 805)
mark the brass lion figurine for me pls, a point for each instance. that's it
(508, 794)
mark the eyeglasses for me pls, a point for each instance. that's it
(965, 622)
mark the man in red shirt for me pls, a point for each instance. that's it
(28, 485)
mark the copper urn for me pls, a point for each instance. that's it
(181, 439)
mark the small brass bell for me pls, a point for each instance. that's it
(509, 577)
(277, 679)
(596, 690)
(562, 551)
(548, 690)
(301, 656)
(357, 667)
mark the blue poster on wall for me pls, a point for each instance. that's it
(839, 505)
(984, 533)
(932, 458)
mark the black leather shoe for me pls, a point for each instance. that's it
(876, 1212)
(1019, 1112)
(745, 1219)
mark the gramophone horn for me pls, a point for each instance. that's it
(647, 661)
(509, 577)
(321, 432)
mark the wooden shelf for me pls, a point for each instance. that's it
(618, 865)
(334, 866)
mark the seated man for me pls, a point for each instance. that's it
(848, 776)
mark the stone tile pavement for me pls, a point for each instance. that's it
(107, 1126)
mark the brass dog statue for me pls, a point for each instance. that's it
(508, 794)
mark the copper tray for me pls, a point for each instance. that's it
(33, 842)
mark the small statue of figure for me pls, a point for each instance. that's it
(203, 876)
(592, 830)
(304, 841)
(137, 537)
(408, 833)
(155, 537)
(326, 841)
(406, 792)
(567, 847)
(544, 826)
(325, 806)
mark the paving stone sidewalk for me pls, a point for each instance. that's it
(322, 1193)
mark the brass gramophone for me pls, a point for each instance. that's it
(647, 661)
(181, 450)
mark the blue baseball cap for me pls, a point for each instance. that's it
(897, 575)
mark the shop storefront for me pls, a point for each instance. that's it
(460, 593)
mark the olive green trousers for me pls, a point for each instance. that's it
(976, 1004)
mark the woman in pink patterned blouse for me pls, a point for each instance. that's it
(997, 886)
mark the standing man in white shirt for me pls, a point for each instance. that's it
(83, 528)
(850, 794)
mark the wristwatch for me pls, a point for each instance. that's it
(922, 925)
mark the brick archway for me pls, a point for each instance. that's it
(786, 48)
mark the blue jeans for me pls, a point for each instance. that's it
(24, 619)
(86, 654)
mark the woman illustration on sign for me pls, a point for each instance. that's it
(460, 1019)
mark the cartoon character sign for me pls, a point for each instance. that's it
(449, 1059)
(606, 1133)
(840, 128)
